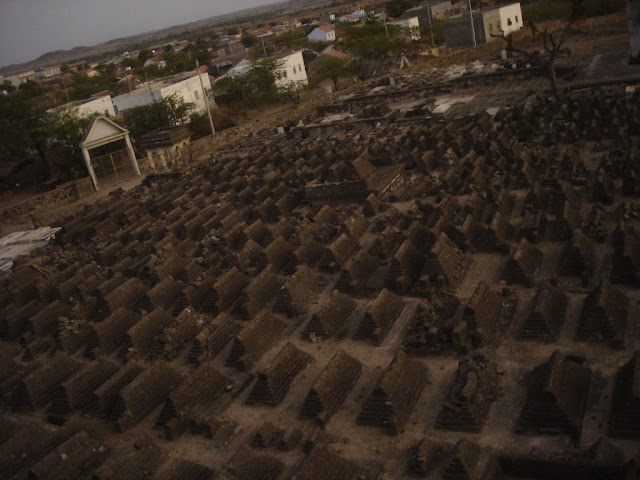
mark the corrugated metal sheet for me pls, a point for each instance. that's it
(22, 243)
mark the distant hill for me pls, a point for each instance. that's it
(120, 45)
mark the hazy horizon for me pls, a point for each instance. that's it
(31, 28)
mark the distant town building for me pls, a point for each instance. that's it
(48, 72)
(186, 87)
(323, 33)
(20, 78)
(348, 19)
(437, 9)
(156, 61)
(332, 52)
(488, 23)
(226, 51)
(262, 31)
(359, 14)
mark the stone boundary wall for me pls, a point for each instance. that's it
(62, 195)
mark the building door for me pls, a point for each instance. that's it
(113, 168)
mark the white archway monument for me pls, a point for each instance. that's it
(102, 131)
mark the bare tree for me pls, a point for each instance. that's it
(552, 41)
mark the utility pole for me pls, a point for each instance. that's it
(206, 98)
(384, 22)
(473, 30)
(64, 85)
(264, 49)
(430, 27)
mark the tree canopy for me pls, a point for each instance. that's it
(372, 42)
(168, 112)
(328, 67)
(257, 86)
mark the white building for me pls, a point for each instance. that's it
(412, 25)
(502, 20)
(186, 88)
(92, 106)
(48, 72)
(20, 78)
(323, 33)
(290, 69)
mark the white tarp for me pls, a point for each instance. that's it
(22, 243)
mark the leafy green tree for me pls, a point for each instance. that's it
(8, 86)
(249, 40)
(222, 117)
(19, 127)
(372, 42)
(30, 89)
(328, 67)
(63, 132)
(106, 69)
(232, 31)
(257, 86)
(291, 38)
(144, 55)
(28, 131)
(168, 112)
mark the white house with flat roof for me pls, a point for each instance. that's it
(186, 88)
(290, 69)
(502, 20)
(92, 106)
(48, 72)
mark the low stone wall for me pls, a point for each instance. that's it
(62, 195)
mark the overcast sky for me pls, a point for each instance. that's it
(29, 28)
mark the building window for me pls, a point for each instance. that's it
(196, 94)
(491, 27)
(294, 69)
(516, 18)
(300, 68)
(509, 22)
(284, 73)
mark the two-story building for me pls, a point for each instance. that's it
(290, 69)
(96, 105)
(186, 87)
